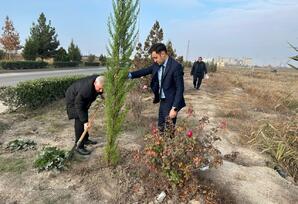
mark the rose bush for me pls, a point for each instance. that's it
(182, 150)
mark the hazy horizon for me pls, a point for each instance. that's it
(259, 29)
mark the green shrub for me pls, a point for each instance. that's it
(25, 145)
(91, 63)
(51, 158)
(65, 64)
(36, 93)
(23, 64)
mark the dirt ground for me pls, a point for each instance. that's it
(247, 178)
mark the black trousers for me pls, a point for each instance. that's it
(197, 81)
(164, 111)
(79, 129)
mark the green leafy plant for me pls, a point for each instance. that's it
(51, 158)
(25, 145)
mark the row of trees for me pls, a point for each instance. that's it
(42, 43)
(73, 54)
(156, 35)
(102, 59)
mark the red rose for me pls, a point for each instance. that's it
(189, 134)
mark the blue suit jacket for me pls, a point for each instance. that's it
(172, 84)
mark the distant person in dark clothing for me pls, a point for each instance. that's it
(198, 72)
(79, 97)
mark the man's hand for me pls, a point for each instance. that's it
(86, 126)
(173, 114)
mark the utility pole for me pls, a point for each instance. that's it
(187, 51)
(139, 19)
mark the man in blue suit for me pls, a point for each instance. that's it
(167, 83)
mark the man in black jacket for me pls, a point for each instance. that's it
(79, 97)
(167, 83)
(198, 72)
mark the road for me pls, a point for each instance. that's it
(12, 79)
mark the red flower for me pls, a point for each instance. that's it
(154, 131)
(189, 134)
(223, 124)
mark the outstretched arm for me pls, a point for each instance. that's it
(141, 72)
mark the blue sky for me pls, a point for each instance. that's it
(233, 28)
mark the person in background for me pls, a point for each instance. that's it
(198, 71)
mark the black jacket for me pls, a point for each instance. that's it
(199, 69)
(79, 97)
(172, 85)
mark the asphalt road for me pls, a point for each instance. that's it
(12, 79)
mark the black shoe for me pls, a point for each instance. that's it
(90, 142)
(83, 151)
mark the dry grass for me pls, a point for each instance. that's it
(271, 91)
(250, 97)
(234, 113)
(280, 141)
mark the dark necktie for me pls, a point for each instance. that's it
(162, 67)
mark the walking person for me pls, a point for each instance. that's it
(198, 71)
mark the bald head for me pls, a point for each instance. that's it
(99, 84)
